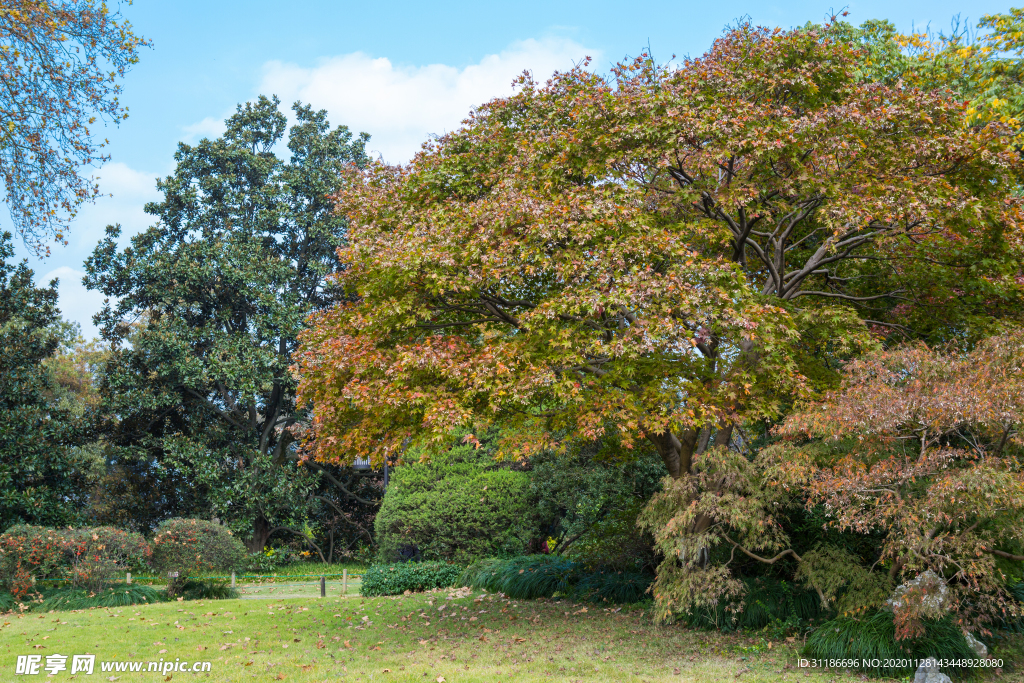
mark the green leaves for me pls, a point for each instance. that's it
(207, 304)
(42, 473)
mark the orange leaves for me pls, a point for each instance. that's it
(920, 439)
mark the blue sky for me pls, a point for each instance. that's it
(398, 70)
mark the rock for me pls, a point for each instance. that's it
(976, 645)
(929, 672)
(930, 599)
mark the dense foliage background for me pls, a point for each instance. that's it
(740, 335)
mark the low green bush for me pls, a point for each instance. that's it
(193, 546)
(458, 507)
(189, 547)
(544, 576)
(872, 639)
(7, 602)
(395, 579)
(113, 596)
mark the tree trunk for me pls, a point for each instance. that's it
(261, 531)
(676, 453)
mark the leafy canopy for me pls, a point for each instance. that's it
(206, 305)
(678, 249)
(61, 61)
(42, 471)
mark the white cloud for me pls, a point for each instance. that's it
(75, 301)
(125, 194)
(210, 127)
(401, 105)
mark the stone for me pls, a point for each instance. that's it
(932, 590)
(976, 645)
(929, 672)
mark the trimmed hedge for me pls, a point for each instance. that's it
(459, 507)
(395, 579)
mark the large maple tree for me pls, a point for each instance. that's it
(675, 250)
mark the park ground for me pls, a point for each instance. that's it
(454, 636)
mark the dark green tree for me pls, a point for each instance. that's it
(206, 305)
(42, 473)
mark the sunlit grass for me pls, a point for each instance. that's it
(472, 639)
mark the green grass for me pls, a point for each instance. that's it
(474, 639)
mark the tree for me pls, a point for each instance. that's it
(678, 251)
(207, 305)
(936, 467)
(61, 61)
(42, 474)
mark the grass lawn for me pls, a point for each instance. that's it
(446, 637)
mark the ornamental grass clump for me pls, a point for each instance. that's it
(112, 596)
(527, 577)
(545, 576)
(765, 602)
(194, 589)
(872, 642)
(188, 547)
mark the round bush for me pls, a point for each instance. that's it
(193, 546)
(459, 507)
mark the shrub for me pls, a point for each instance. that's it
(589, 500)
(395, 579)
(195, 589)
(88, 557)
(459, 507)
(192, 546)
(544, 576)
(873, 638)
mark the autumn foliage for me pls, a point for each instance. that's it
(935, 466)
(684, 254)
(676, 250)
(60, 62)
(85, 558)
